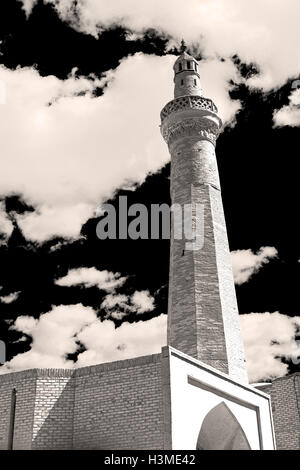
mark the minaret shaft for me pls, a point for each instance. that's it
(203, 318)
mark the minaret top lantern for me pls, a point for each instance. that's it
(186, 78)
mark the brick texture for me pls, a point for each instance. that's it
(25, 386)
(53, 413)
(285, 399)
(203, 319)
(118, 405)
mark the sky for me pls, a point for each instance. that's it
(81, 88)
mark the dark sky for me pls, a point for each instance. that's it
(258, 169)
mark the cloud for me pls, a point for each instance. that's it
(28, 5)
(6, 226)
(25, 324)
(53, 337)
(68, 157)
(143, 301)
(245, 263)
(8, 299)
(49, 221)
(215, 82)
(66, 151)
(289, 115)
(106, 343)
(90, 277)
(57, 333)
(267, 338)
(111, 301)
(265, 32)
(118, 305)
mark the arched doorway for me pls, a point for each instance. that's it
(221, 430)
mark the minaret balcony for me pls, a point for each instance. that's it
(188, 102)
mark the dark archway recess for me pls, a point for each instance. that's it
(221, 430)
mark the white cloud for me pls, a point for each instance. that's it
(28, 5)
(116, 306)
(289, 115)
(89, 277)
(106, 343)
(267, 337)
(245, 263)
(48, 221)
(215, 78)
(67, 158)
(25, 324)
(53, 337)
(119, 305)
(56, 333)
(143, 301)
(8, 299)
(262, 31)
(59, 245)
(111, 301)
(6, 226)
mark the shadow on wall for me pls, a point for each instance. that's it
(221, 430)
(115, 405)
(54, 411)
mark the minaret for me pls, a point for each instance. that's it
(203, 319)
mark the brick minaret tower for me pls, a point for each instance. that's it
(203, 319)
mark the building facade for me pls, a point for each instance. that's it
(151, 402)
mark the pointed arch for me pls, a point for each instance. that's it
(221, 430)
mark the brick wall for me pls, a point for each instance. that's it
(53, 413)
(119, 405)
(25, 386)
(285, 399)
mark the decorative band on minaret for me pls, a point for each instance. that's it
(203, 319)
